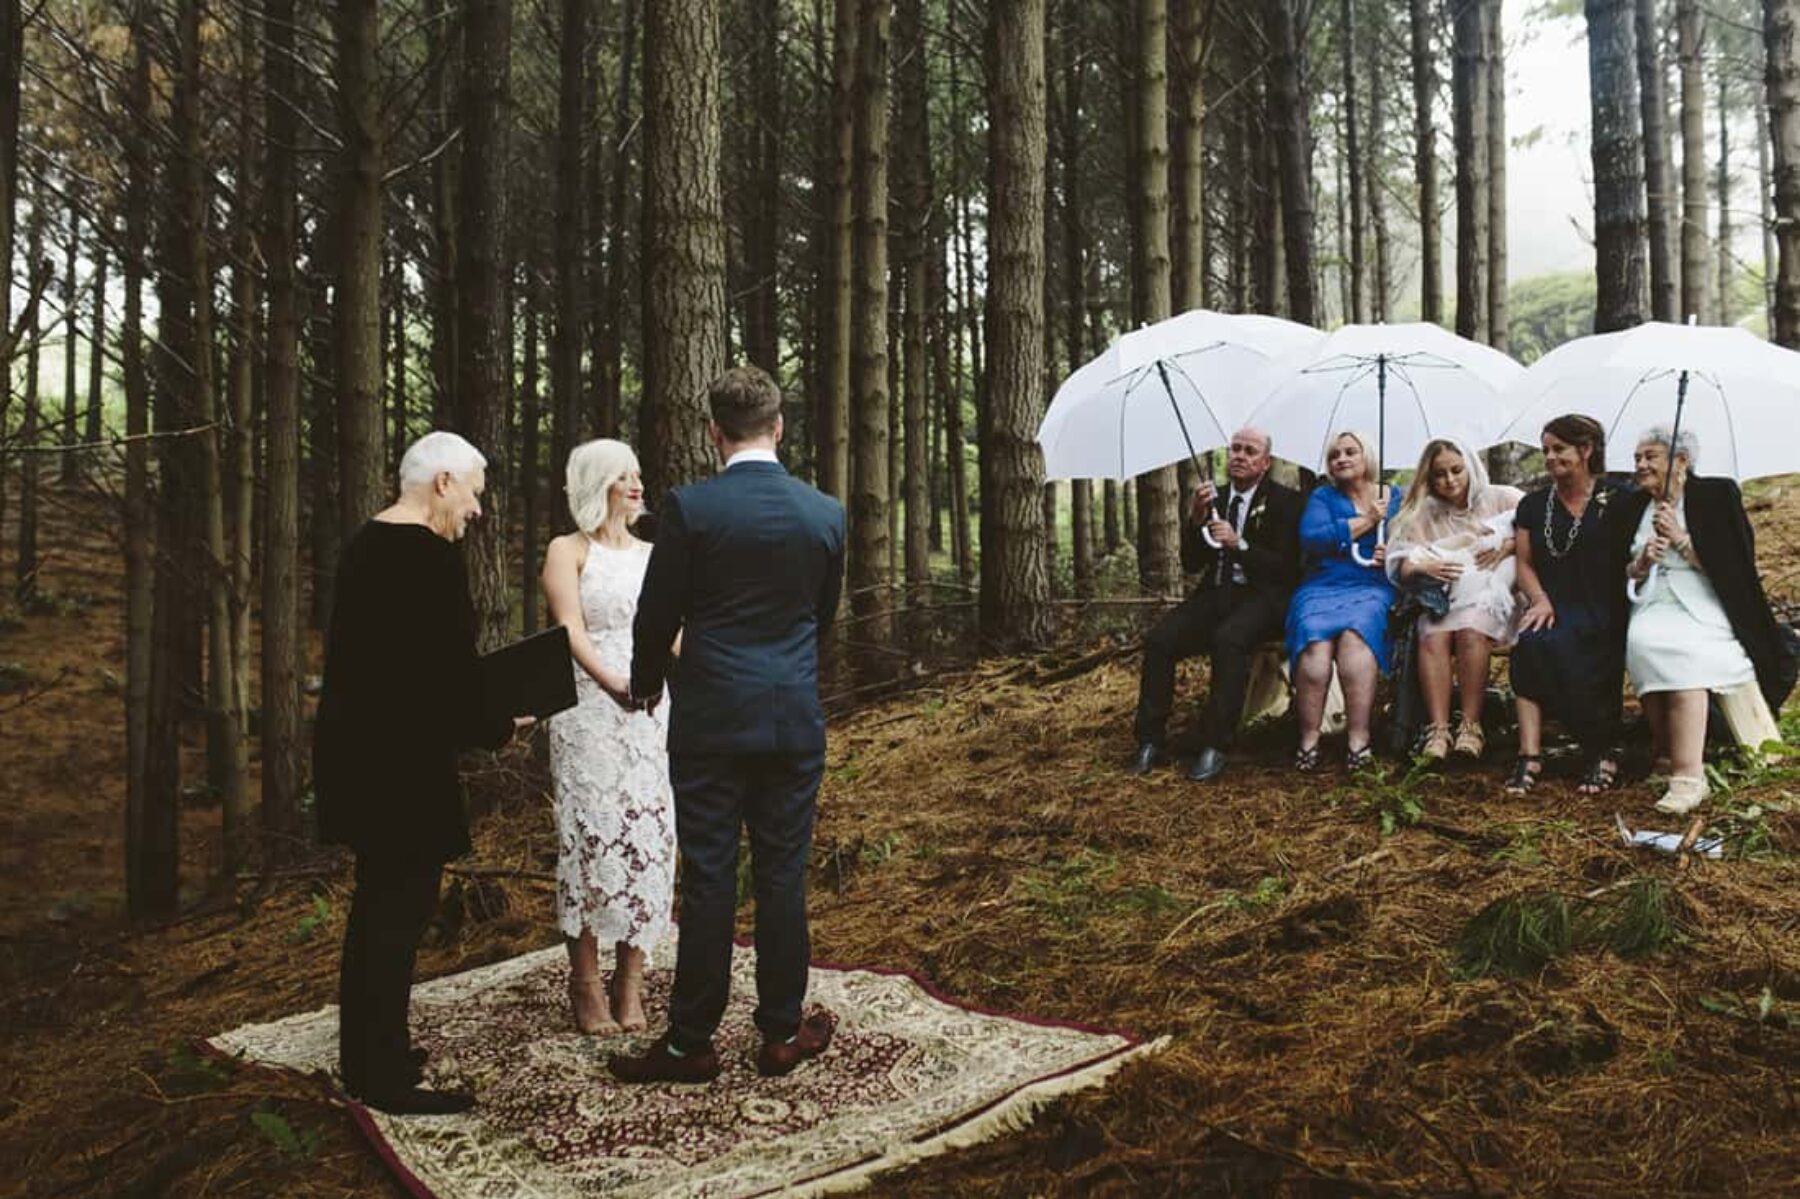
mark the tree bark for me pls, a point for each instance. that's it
(762, 235)
(684, 239)
(1292, 142)
(1431, 237)
(1188, 286)
(1469, 95)
(1619, 247)
(1069, 67)
(25, 562)
(71, 327)
(871, 549)
(12, 60)
(281, 647)
(92, 430)
(1765, 194)
(139, 566)
(1353, 164)
(1727, 268)
(1495, 37)
(1374, 169)
(1781, 39)
(1159, 563)
(356, 254)
(611, 368)
(1015, 588)
(240, 447)
(530, 420)
(834, 411)
(1658, 187)
(1696, 258)
(442, 37)
(914, 215)
(570, 241)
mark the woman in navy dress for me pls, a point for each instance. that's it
(1339, 615)
(1570, 658)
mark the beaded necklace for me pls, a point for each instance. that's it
(1594, 497)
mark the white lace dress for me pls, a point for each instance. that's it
(615, 813)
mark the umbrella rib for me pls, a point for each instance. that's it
(1336, 405)
(1402, 372)
(1204, 402)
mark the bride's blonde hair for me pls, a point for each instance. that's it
(594, 466)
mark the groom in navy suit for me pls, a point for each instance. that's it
(748, 566)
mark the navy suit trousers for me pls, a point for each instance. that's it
(773, 795)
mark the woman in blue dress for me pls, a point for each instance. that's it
(1339, 615)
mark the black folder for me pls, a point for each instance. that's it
(533, 677)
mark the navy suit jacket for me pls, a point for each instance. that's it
(748, 565)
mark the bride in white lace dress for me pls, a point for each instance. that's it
(615, 815)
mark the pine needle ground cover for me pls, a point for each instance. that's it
(1327, 1036)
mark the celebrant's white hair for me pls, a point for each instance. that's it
(435, 454)
(1688, 447)
(594, 466)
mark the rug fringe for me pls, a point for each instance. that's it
(1014, 1114)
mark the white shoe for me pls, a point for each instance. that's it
(1685, 793)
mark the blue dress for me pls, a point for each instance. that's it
(1338, 594)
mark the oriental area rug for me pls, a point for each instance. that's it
(908, 1074)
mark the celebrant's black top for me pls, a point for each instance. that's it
(402, 696)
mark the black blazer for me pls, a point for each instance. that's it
(748, 566)
(402, 696)
(1272, 527)
(1726, 546)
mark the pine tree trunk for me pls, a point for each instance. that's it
(1765, 197)
(1189, 242)
(834, 411)
(484, 372)
(1619, 247)
(1159, 563)
(281, 438)
(356, 255)
(762, 237)
(1727, 269)
(240, 458)
(1015, 588)
(442, 39)
(1781, 40)
(1495, 35)
(321, 452)
(1469, 95)
(12, 60)
(396, 313)
(71, 404)
(612, 322)
(25, 562)
(139, 565)
(1292, 144)
(684, 240)
(92, 417)
(530, 421)
(570, 242)
(1074, 265)
(1374, 169)
(1654, 105)
(1431, 237)
(1353, 165)
(1696, 258)
(871, 550)
(914, 215)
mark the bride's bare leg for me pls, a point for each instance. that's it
(628, 988)
(586, 997)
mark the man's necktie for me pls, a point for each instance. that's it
(1232, 510)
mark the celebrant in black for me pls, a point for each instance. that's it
(402, 695)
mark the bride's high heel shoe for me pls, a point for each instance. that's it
(629, 1016)
(591, 1006)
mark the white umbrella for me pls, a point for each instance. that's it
(1735, 392)
(1162, 393)
(1408, 383)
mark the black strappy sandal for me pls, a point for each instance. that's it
(1523, 778)
(1306, 761)
(1602, 775)
(1359, 759)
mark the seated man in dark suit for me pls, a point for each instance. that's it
(1244, 543)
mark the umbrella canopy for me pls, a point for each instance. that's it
(1740, 394)
(1405, 383)
(1161, 393)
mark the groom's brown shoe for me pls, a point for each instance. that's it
(810, 1039)
(657, 1064)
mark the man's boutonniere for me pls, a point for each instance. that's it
(1256, 511)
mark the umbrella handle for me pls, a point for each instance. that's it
(1206, 536)
(1637, 593)
(1356, 552)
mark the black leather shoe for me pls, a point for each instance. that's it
(1207, 767)
(1148, 755)
(417, 1101)
(657, 1064)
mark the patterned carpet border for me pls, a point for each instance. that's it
(903, 1082)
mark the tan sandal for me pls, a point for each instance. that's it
(596, 1019)
(1437, 743)
(1470, 743)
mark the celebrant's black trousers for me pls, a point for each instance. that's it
(394, 901)
(1227, 623)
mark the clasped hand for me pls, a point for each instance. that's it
(620, 693)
